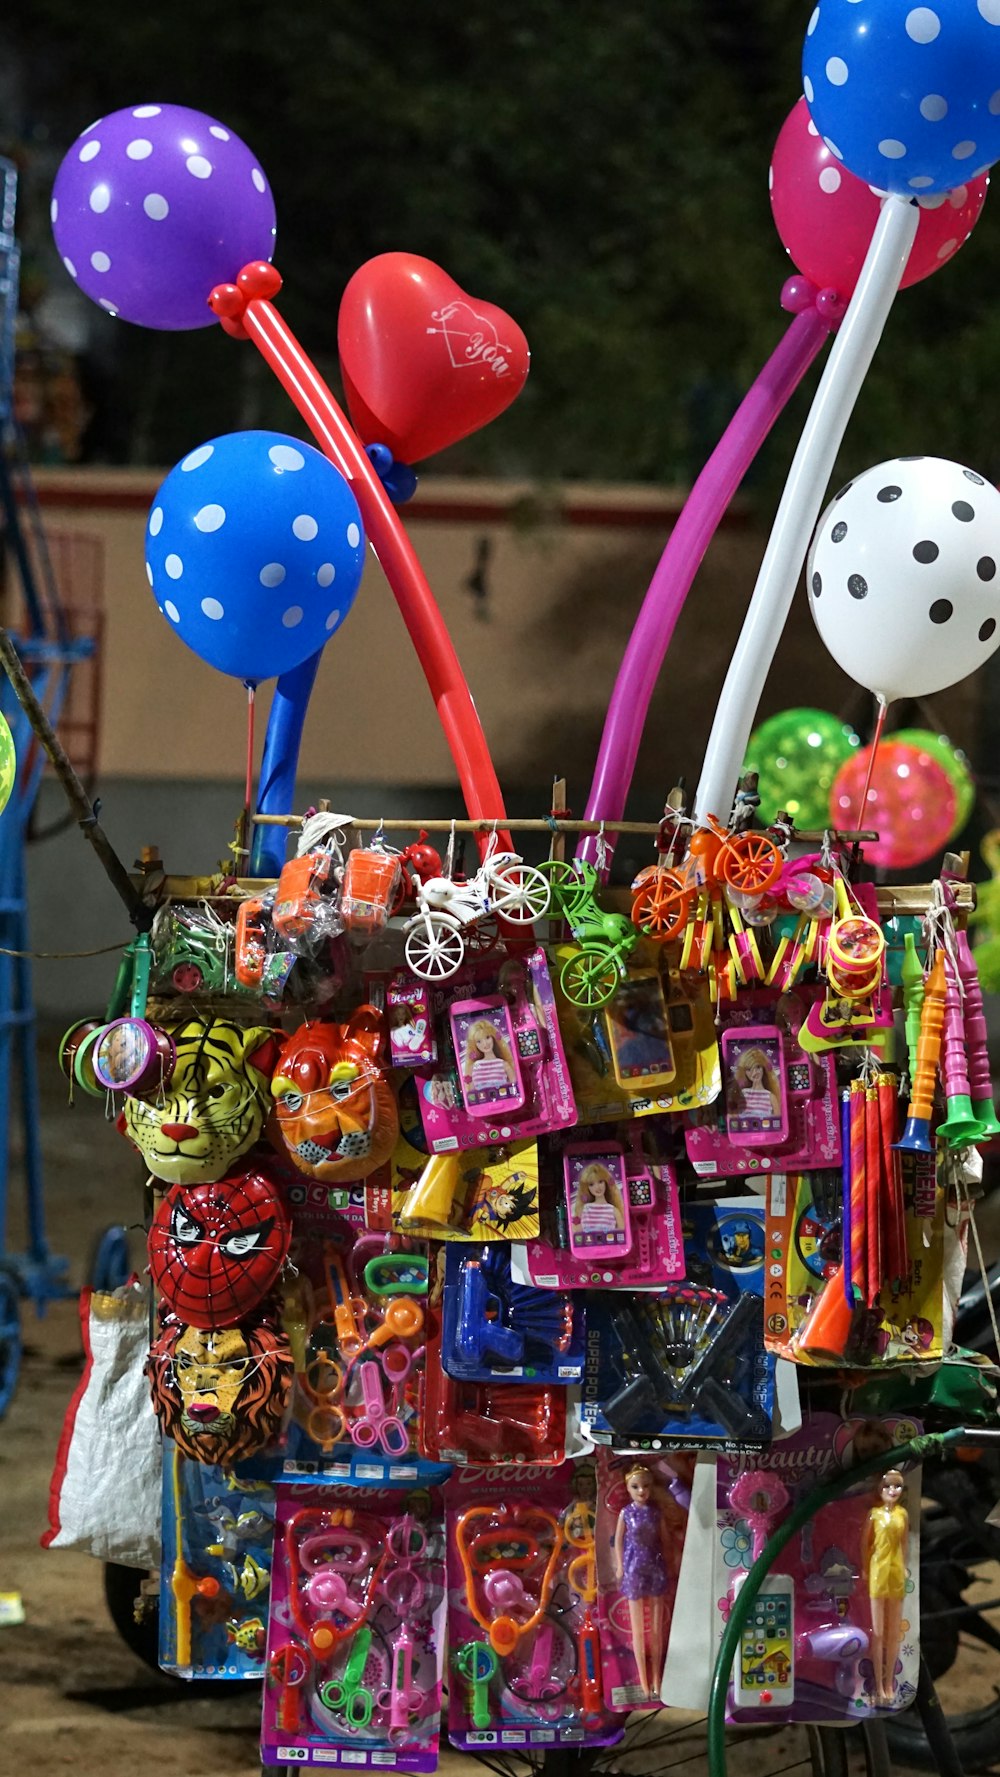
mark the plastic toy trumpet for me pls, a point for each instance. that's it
(917, 1132)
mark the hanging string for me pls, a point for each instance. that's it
(251, 713)
(883, 709)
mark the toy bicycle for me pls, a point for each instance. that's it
(717, 861)
(455, 917)
(591, 976)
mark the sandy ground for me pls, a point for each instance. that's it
(72, 1695)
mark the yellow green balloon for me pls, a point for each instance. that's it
(796, 755)
(8, 763)
(954, 762)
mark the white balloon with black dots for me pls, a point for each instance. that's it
(903, 575)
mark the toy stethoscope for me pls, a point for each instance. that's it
(335, 1561)
(516, 1544)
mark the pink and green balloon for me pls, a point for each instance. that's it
(796, 755)
(911, 803)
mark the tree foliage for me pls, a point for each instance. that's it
(599, 171)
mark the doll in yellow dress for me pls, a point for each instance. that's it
(884, 1557)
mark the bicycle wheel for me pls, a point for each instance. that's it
(750, 862)
(658, 1742)
(661, 906)
(434, 949)
(572, 885)
(520, 894)
(481, 936)
(959, 1614)
(588, 978)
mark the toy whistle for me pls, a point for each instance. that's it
(961, 1126)
(478, 1663)
(917, 1132)
(980, 1081)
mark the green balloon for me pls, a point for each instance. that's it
(953, 761)
(796, 755)
(8, 763)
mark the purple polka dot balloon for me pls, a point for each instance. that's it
(155, 205)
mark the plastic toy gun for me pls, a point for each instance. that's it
(480, 1332)
(691, 1366)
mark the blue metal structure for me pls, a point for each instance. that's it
(49, 654)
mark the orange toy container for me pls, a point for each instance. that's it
(371, 884)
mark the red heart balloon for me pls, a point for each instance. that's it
(423, 364)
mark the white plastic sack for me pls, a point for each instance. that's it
(104, 1497)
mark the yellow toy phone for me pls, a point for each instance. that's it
(639, 1033)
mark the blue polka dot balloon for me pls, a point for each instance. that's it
(254, 551)
(907, 96)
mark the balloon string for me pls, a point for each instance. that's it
(876, 737)
(251, 713)
(419, 609)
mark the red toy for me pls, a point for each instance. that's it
(335, 1110)
(215, 1250)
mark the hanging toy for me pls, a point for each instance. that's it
(980, 1079)
(912, 973)
(220, 1393)
(916, 1135)
(335, 1111)
(961, 1125)
(216, 1250)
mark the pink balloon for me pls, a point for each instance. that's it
(911, 803)
(826, 216)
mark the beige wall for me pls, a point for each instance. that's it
(566, 578)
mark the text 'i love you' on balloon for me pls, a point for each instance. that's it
(423, 364)
(254, 552)
(155, 205)
(903, 576)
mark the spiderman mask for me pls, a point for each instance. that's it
(215, 1250)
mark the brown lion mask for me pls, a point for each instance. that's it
(220, 1393)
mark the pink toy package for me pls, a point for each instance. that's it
(642, 1515)
(778, 1111)
(654, 1253)
(411, 1032)
(833, 1633)
(355, 1648)
(524, 1643)
(502, 1074)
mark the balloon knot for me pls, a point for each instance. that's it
(259, 280)
(797, 294)
(831, 306)
(398, 479)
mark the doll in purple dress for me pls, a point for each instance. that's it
(641, 1552)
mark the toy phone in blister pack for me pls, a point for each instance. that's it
(356, 1634)
(597, 1200)
(655, 1252)
(638, 1032)
(524, 1640)
(642, 1513)
(833, 1633)
(358, 1313)
(215, 1572)
(606, 1095)
(496, 1329)
(502, 1075)
(755, 1086)
(411, 1032)
(686, 1365)
(779, 1108)
(489, 1071)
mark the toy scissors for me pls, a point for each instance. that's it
(347, 1696)
(376, 1424)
